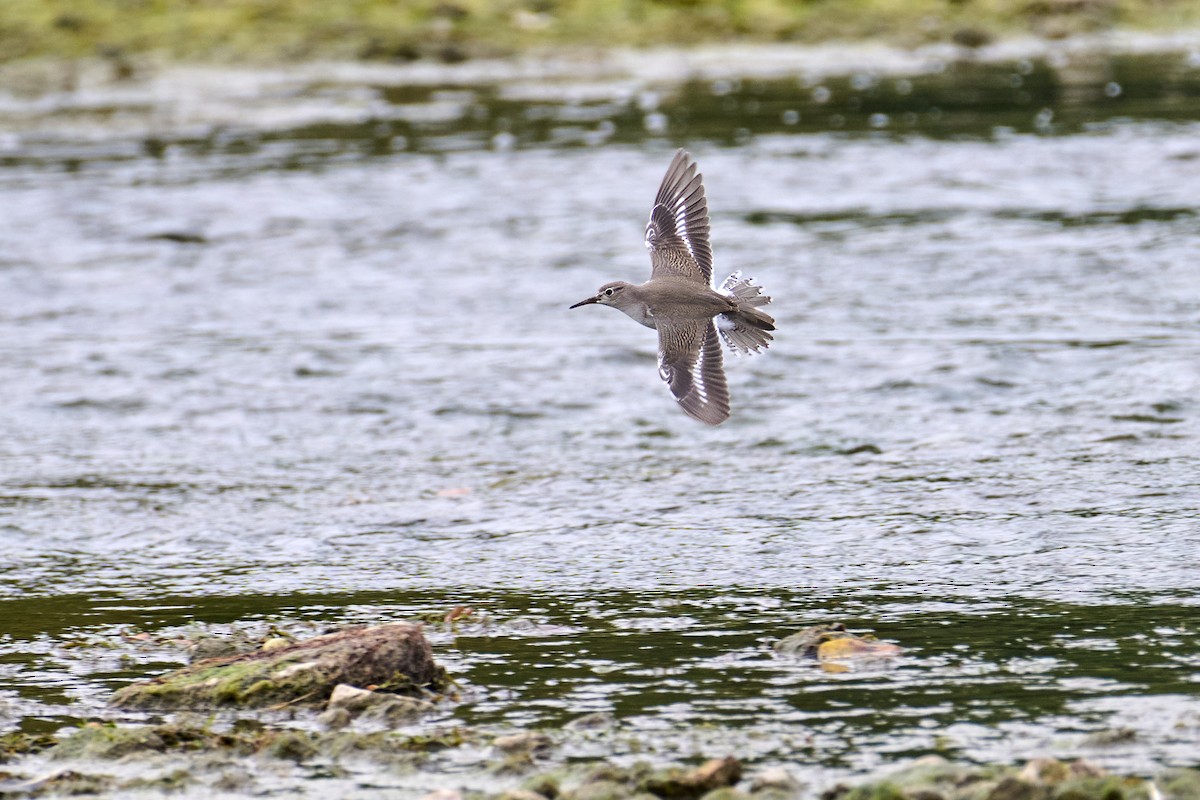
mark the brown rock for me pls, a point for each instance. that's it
(1011, 788)
(681, 784)
(1043, 770)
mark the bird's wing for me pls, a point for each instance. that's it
(677, 233)
(689, 360)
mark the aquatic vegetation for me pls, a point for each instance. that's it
(18, 743)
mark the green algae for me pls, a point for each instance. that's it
(1041, 779)
(226, 684)
(19, 743)
(885, 790)
(109, 741)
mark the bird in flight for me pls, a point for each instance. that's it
(680, 302)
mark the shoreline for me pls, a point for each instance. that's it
(191, 755)
(665, 64)
(456, 31)
(94, 97)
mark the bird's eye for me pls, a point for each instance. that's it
(609, 292)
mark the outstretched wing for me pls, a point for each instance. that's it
(677, 233)
(689, 360)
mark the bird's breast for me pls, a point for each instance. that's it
(641, 313)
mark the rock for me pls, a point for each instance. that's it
(1179, 784)
(334, 719)
(1044, 771)
(935, 775)
(718, 772)
(516, 763)
(394, 710)
(727, 793)
(835, 792)
(606, 772)
(1110, 737)
(106, 742)
(1111, 787)
(1081, 768)
(443, 794)
(531, 742)
(590, 722)
(876, 791)
(206, 646)
(521, 794)
(678, 783)
(834, 642)
(599, 790)
(61, 783)
(775, 779)
(805, 643)
(545, 785)
(383, 707)
(291, 746)
(924, 794)
(1012, 788)
(304, 672)
(350, 698)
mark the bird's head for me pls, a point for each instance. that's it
(610, 294)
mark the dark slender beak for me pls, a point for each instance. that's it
(587, 302)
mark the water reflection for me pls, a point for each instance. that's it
(1056, 95)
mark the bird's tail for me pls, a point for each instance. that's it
(747, 329)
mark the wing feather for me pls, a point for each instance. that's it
(677, 233)
(689, 360)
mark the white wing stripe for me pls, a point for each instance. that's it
(698, 375)
(681, 225)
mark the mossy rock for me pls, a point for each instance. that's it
(884, 790)
(600, 790)
(1109, 787)
(1180, 784)
(1013, 788)
(727, 793)
(295, 746)
(396, 655)
(107, 742)
(935, 778)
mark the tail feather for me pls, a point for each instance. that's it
(745, 330)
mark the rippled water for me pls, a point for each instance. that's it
(328, 373)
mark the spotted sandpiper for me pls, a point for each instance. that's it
(680, 302)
